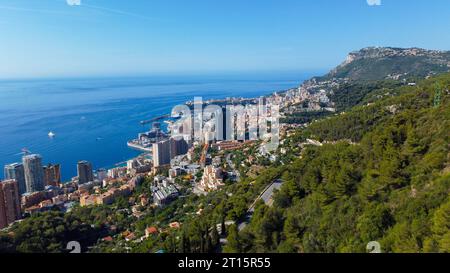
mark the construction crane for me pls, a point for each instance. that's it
(437, 95)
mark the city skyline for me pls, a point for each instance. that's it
(97, 38)
(215, 127)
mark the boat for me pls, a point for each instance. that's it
(51, 134)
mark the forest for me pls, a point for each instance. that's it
(383, 174)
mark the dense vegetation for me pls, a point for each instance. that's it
(382, 174)
(304, 117)
(391, 186)
(374, 64)
(200, 234)
(350, 94)
(48, 232)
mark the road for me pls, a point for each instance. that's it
(266, 196)
(231, 164)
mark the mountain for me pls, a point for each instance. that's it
(378, 63)
(372, 73)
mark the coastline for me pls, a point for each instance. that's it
(110, 109)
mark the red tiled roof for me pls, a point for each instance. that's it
(152, 230)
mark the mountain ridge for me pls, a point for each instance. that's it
(377, 63)
(373, 72)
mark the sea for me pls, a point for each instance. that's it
(93, 118)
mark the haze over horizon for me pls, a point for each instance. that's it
(49, 38)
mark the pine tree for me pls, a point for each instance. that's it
(215, 238)
(233, 241)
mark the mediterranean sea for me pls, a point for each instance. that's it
(93, 119)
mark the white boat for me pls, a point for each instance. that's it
(51, 134)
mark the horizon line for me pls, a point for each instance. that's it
(159, 74)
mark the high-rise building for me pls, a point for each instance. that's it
(178, 146)
(166, 150)
(101, 174)
(223, 129)
(52, 175)
(15, 171)
(85, 172)
(34, 173)
(9, 203)
(3, 220)
(161, 153)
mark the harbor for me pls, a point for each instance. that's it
(145, 141)
(136, 145)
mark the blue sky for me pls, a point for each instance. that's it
(49, 38)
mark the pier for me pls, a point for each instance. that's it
(154, 119)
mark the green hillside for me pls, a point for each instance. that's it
(379, 63)
(383, 176)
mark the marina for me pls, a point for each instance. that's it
(134, 144)
(145, 141)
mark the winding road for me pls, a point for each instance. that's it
(266, 196)
(231, 164)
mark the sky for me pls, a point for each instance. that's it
(78, 38)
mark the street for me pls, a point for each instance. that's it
(266, 196)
